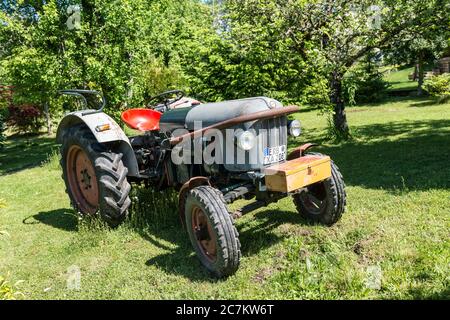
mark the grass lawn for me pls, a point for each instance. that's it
(398, 80)
(398, 220)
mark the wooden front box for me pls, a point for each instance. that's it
(298, 173)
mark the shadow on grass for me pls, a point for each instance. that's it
(24, 152)
(397, 155)
(260, 233)
(403, 155)
(63, 219)
(181, 260)
(428, 103)
(159, 224)
(418, 294)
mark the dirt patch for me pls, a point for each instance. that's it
(366, 251)
(292, 230)
(356, 110)
(263, 274)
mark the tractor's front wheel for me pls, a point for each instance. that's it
(95, 177)
(323, 202)
(212, 231)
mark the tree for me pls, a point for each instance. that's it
(422, 47)
(338, 33)
(247, 55)
(346, 31)
(126, 49)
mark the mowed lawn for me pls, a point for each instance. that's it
(399, 80)
(397, 223)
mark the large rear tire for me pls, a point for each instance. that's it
(323, 202)
(95, 177)
(212, 231)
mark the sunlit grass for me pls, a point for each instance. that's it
(397, 175)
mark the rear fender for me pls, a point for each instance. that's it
(93, 120)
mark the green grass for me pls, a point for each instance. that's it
(398, 79)
(398, 183)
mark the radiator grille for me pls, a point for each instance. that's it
(270, 133)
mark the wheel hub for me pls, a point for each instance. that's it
(314, 198)
(82, 180)
(86, 179)
(204, 234)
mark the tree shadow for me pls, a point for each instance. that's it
(407, 155)
(418, 294)
(24, 152)
(63, 219)
(181, 260)
(393, 156)
(261, 233)
(428, 103)
(403, 155)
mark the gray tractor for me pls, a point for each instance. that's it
(211, 153)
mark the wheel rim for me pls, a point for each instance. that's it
(204, 234)
(82, 180)
(314, 198)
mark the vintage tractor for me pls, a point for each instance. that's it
(212, 153)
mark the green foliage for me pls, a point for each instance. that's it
(317, 95)
(245, 63)
(295, 51)
(364, 83)
(338, 34)
(439, 87)
(155, 77)
(250, 54)
(129, 50)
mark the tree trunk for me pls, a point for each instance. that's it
(339, 117)
(421, 74)
(48, 119)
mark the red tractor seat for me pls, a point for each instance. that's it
(142, 119)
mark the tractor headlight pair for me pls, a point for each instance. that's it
(246, 140)
(295, 128)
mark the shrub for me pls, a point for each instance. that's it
(25, 118)
(439, 87)
(364, 84)
(317, 94)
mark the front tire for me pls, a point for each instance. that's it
(95, 177)
(212, 231)
(323, 202)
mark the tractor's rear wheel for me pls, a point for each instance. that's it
(95, 177)
(323, 202)
(212, 231)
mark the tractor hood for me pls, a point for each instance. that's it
(212, 113)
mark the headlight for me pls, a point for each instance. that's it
(295, 128)
(246, 140)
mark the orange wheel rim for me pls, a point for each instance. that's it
(82, 180)
(204, 234)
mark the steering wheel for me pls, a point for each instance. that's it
(164, 98)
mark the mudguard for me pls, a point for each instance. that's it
(94, 120)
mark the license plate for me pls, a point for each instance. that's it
(274, 154)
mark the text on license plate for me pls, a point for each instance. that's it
(274, 154)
